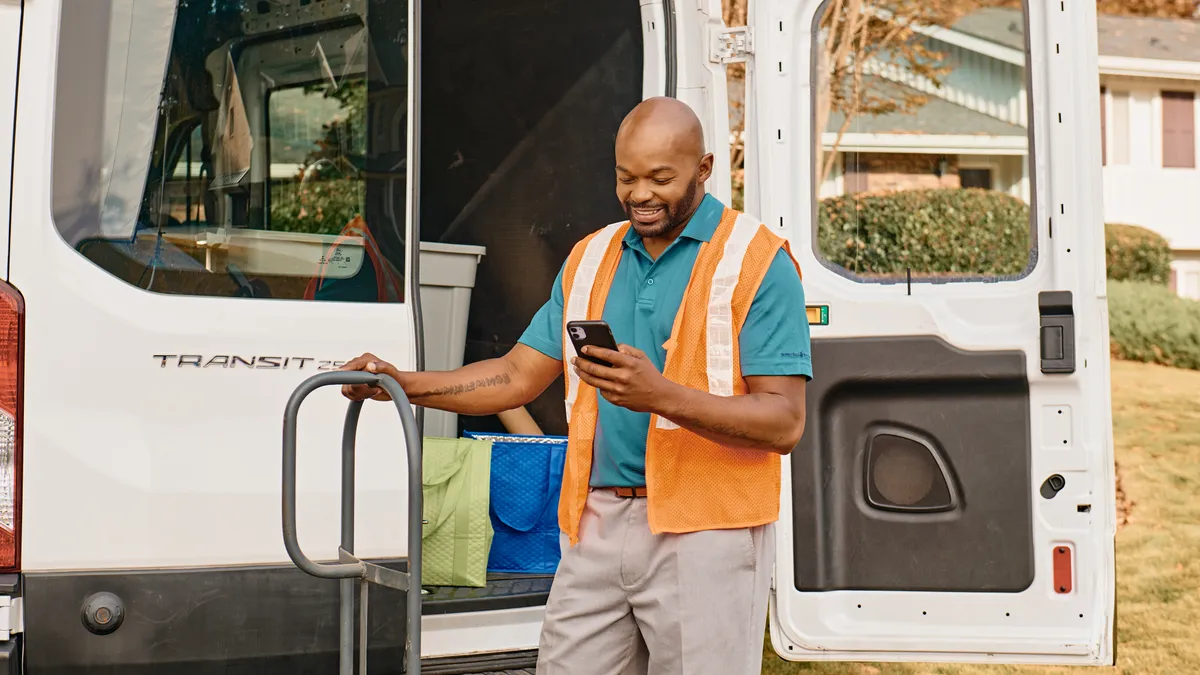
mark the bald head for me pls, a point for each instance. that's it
(663, 121)
(661, 166)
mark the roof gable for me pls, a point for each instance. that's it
(1133, 37)
(1124, 36)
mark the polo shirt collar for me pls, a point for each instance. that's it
(701, 227)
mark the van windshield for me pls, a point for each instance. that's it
(276, 151)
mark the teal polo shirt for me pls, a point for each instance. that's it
(640, 309)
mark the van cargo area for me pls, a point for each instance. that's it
(520, 106)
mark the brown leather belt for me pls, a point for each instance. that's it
(625, 492)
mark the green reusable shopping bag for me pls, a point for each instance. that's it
(457, 536)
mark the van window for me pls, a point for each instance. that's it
(245, 149)
(922, 150)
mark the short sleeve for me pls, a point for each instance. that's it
(775, 337)
(544, 332)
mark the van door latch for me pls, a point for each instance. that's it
(730, 45)
(1058, 331)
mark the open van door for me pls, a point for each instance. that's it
(953, 497)
(682, 60)
(10, 44)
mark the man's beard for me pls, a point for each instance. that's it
(677, 213)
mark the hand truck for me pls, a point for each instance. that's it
(348, 568)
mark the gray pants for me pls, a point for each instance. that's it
(625, 601)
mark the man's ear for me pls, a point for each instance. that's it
(706, 167)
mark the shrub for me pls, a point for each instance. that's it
(1134, 253)
(1149, 323)
(941, 231)
(315, 207)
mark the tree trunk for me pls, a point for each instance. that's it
(822, 106)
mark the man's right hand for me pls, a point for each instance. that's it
(372, 364)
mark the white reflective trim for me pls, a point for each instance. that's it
(575, 307)
(720, 306)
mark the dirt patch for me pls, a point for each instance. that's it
(1124, 503)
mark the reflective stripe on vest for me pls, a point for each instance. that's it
(388, 286)
(692, 483)
(575, 306)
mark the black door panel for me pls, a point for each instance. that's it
(914, 470)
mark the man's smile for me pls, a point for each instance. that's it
(647, 214)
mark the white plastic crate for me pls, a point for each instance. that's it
(447, 279)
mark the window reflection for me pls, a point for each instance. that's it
(260, 179)
(922, 151)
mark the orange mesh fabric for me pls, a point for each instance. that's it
(694, 483)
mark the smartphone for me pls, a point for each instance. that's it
(594, 333)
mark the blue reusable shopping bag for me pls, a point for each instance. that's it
(525, 482)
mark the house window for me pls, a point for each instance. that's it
(975, 178)
(855, 173)
(1185, 278)
(1179, 129)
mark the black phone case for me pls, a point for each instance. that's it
(594, 333)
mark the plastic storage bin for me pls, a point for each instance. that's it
(447, 279)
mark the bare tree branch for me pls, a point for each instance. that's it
(861, 40)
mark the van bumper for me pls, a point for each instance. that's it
(245, 620)
(236, 621)
(10, 656)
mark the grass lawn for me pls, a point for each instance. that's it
(1156, 427)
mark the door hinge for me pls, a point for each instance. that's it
(731, 45)
(12, 619)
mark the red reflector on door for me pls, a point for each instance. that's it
(1063, 571)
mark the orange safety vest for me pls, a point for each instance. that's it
(692, 483)
(387, 280)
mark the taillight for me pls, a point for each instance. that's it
(12, 355)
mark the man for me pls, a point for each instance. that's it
(672, 477)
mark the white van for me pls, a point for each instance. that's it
(178, 173)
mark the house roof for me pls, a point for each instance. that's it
(1125, 36)
(1169, 39)
(1000, 25)
(938, 116)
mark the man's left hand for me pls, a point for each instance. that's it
(631, 382)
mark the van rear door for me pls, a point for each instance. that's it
(691, 73)
(184, 173)
(10, 45)
(953, 497)
(10, 308)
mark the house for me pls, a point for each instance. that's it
(972, 132)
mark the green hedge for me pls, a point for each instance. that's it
(1136, 254)
(316, 207)
(955, 231)
(987, 233)
(1149, 323)
(942, 231)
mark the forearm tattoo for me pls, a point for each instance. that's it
(465, 387)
